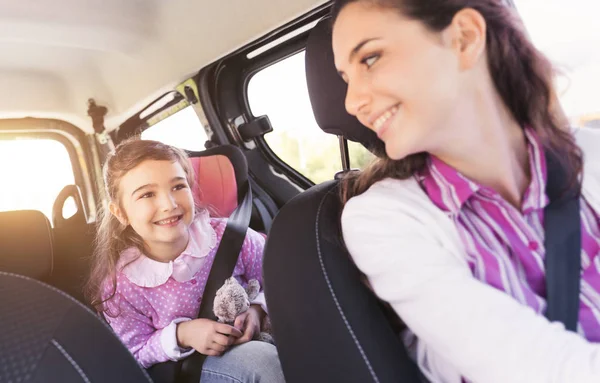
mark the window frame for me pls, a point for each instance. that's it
(223, 88)
(271, 57)
(170, 115)
(297, 48)
(135, 124)
(73, 139)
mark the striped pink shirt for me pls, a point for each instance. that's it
(505, 245)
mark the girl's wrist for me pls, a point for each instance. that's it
(181, 335)
(259, 310)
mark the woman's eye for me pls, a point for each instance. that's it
(147, 195)
(180, 186)
(370, 60)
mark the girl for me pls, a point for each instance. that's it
(448, 228)
(153, 257)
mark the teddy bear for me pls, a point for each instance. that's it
(232, 300)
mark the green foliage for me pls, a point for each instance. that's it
(318, 160)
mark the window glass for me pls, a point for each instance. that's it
(280, 92)
(359, 156)
(33, 173)
(568, 32)
(182, 129)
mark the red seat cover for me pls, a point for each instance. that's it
(216, 186)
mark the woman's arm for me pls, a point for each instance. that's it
(482, 332)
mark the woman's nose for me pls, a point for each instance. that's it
(357, 98)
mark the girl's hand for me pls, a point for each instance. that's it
(249, 322)
(206, 336)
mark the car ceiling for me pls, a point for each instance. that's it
(56, 54)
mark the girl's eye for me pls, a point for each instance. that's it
(370, 60)
(147, 195)
(180, 186)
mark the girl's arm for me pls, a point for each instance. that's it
(464, 326)
(148, 344)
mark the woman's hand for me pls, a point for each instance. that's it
(249, 322)
(206, 336)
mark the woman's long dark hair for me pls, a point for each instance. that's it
(522, 75)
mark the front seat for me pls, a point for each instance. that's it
(47, 336)
(327, 325)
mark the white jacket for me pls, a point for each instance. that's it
(412, 254)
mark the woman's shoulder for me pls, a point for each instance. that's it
(391, 198)
(394, 208)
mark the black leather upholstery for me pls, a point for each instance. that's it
(49, 337)
(328, 326)
(26, 244)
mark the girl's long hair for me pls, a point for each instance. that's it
(112, 237)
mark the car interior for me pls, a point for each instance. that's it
(250, 91)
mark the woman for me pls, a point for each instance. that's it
(449, 228)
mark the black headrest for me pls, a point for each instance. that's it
(26, 243)
(327, 92)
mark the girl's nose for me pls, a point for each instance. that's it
(168, 202)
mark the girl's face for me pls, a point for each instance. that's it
(157, 202)
(403, 80)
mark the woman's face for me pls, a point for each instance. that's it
(403, 80)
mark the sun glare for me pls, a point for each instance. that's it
(34, 171)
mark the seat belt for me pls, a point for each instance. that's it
(190, 369)
(562, 225)
(263, 213)
(222, 268)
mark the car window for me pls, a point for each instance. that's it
(568, 32)
(182, 129)
(280, 92)
(33, 173)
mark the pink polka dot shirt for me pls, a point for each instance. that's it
(152, 297)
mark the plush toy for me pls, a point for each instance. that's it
(232, 300)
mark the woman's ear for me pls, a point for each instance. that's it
(118, 213)
(468, 36)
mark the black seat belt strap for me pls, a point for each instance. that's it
(227, 253)
(562, 225)
(222, 268)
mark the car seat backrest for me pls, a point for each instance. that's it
(26, 244)
(324, 317)
(47, 336)
(219, 172)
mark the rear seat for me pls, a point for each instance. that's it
(26, 244)
(61, 256)
(219, 171)
(26, 248)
